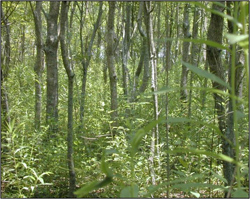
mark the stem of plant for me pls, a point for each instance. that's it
(234, 100)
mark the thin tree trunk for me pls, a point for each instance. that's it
(177, 44)
(152, 53)
(194, 57)
(38, 68)
(184, 74)
(52, 70)
(70, 73)
(169, 24)
(125, 50)
(111, 62)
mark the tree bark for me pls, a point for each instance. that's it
(184, 74)
(144, 58)
(5, 60)
(152, 53)
(125, 50)
(215, 32)
(169, 25)
(52, 70)
(194, 56)
(38, 68)
(111, 62)
(69, 70)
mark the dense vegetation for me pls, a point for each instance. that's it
(124, 99)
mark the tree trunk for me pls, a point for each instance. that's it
(5, 60)
(52, 70)
(70, 73)
(184, 74)
(194, 56)
(152, 53)
(38, 68)
(125, 50)
(169, 25)
(214, 59)
(144, 52)
(110, 62)
(177, 43)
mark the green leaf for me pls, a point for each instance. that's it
(141, 133)
(195, 185)
(104, 166)
(152, 189)
(31, 177)
(184, 163)
(130, 192)
(136, 140)
(239, 193)
(86, 189)
(197, 195)
(208, 153)
(92, 186)
(232, 38)
(208, 43)
(41, 180)
(206, 74)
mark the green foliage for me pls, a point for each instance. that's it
(118, 166)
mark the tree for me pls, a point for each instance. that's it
(111, 62)
(52, 69)
(125, 50)
(70, 73)
(169, 34)
(86, 56)
(215, 31)
(38, 67)
(184, 73)
(152, 53)
(194, 59)
(5, 60)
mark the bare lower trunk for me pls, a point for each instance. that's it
(5, 60)
(194, 58)
(167, 68)
(152, 53)
(111, 63)
(52, 70)
(38, 68)
(184, 73)
(216, 67)
(69, 70)
(125, 51)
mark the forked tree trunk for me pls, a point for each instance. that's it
(86, 57)
(69, 70)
